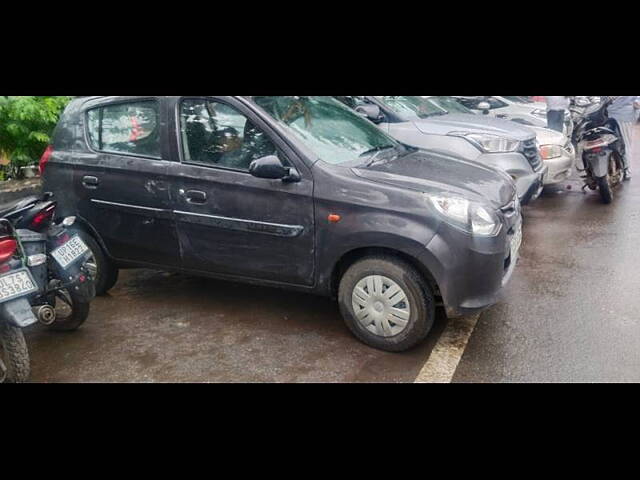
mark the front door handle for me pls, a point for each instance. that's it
(90, 182)
(194, 196)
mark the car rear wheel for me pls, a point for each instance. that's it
(386, 303)
(105, 273)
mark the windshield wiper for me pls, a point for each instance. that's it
(437, 114)
(377, 151)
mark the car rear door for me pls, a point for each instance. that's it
(228, 221)
(123, 185)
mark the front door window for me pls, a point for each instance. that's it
(218, 135)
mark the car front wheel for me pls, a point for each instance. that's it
(386, 303)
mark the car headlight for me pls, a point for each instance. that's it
(470, 217)
(539, 113)
(547, 152)
(489, 143)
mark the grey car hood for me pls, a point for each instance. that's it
(434, 172)
(462, 122)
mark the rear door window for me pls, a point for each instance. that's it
(126, 128)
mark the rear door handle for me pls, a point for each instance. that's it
(194, 196)
(90, 182)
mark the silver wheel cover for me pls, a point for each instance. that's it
(381, 306)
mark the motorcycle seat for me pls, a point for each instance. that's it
(7, 208)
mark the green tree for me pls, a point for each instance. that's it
(26, 124)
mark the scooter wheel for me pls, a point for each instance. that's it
(605, 190)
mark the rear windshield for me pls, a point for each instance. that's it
(450, 104)
(412, 108)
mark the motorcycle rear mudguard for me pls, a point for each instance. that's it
(599, 164)
(86, 291)
(18, 313)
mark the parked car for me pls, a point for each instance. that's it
(290, 191)
(520, 109)
(556, 150)
(497, 143)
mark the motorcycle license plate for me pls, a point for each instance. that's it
(71, 251)
(516, 242)
(16, 284)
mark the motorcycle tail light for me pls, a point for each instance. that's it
(8, 247)
(42, 217)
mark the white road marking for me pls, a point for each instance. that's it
(445, 356)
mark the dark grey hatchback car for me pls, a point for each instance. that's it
(287, 191)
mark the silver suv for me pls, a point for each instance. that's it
(421, 123)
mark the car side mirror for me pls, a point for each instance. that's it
(271, 168)
(485, 107)
(370, 111)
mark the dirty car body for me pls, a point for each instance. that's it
(154, 194)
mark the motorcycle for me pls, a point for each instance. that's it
(601, 149)
(17, 285)
(578, 106)
(50, 271)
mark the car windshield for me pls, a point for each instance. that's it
(519, 99)
(412, 108)
(331, 130)
(450, 104)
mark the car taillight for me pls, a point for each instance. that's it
(8, 247)
(46, 156)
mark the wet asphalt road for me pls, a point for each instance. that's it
(159, 327)
(570, 313)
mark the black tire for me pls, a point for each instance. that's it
(418, 294)
(107, 273)
(15, 355)
(79, 312)
(605, 189)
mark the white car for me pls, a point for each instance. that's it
(557, 152)
(519, 109)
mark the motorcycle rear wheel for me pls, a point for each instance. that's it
(14, 355)
(71, 313)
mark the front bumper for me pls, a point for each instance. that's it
(524, 167)
(535, 185)
(560, 168)
(473, 271)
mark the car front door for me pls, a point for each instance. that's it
(125, 193)
(230, 222)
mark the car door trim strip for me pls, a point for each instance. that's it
(239, 224)
(148, 211)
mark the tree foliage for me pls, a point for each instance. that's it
(26, 125)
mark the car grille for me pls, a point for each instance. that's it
(529, 149)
